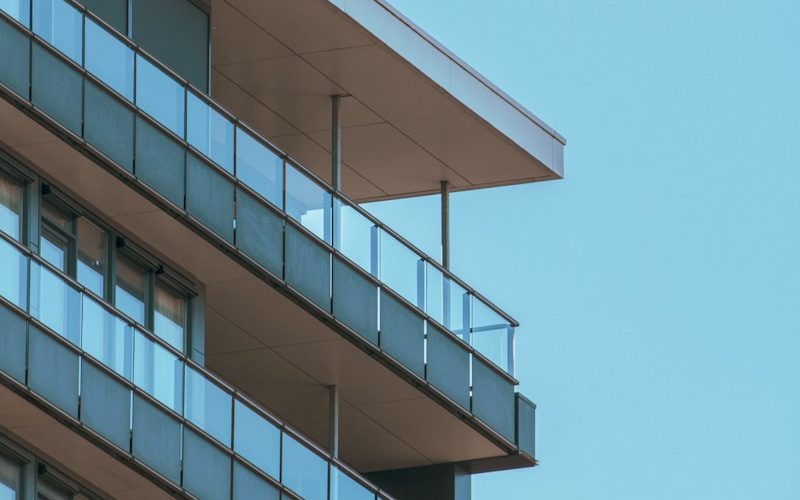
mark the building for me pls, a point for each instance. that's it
(192, 302)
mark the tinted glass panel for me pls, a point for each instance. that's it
(158, 372)
(206, 468)
(107, 338)
(400, 268)
(130, 288)
(10, 478)
(13, 275)
(259, 167)
(170, 315)
(447, 302)
(18, 9)
(61, 25)
(343, 487)
(109, 59)
(15, 53)
(55, 303)
(159, 95)
(209, 132)
(353, 236)
(53, 249)
(105, 405)
(10, 207)
(208, 406)
(92, 251)
(490, 334)
(257, 440)
(305, 472)
(156, 439)
(308, 203)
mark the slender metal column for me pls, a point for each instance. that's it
(333, 421)
(445, 190)
(336, 143)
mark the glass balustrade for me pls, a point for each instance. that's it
(235, 149)
(104, 337)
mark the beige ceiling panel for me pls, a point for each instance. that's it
(320, 28)
(390, 160)
(183, 246)
(275, 383)
(223, 336)
(361, 379)
(431, 430)
(463, 143)
(268, 316)
(236, 38)
(247, 108)
(369, 447)
(17, 130)
(290, 87)
(388, 86)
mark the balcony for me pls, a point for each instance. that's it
(100, 92)
(145, 399)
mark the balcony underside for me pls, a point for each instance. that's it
(263, 338)
(27, 422)
(415, 115)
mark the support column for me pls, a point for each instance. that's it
(445, 193)
(333, 421)
(336, 143)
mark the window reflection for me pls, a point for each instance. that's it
(92, 251)
(259, 167)
(109, 59)
(159, 95)
(10, 478)
(170, 315)
(158, 372)
(107, 338)
(129, 292)
(10, 207)
(19, 10)
(61, 25)
(308, 203)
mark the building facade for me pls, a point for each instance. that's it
(194, 304)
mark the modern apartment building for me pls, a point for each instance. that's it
(192, 302)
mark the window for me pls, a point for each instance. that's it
(10, 478)
(48, 489)
(170, 311)
(10, 207)
(126, 275)
(131, 288)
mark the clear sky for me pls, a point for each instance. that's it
(658, 285)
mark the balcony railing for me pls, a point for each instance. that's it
(240, 155)
(147, 399)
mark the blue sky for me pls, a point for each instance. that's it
(658, 285)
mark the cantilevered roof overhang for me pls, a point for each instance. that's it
(415, 114)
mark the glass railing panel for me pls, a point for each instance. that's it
(13, 275)
(18, 9)
(401, 268)
(447, 302)
(61, 25)
(158, 372)
(109, 59)
(259, 167)
(355, 236)
(55, 303)
(491, 334)
(308, 203)
(257, 440)
(344, 487)
(208, 406)
(159, 95)
(209, 131)
(304, 472)
(107, 338)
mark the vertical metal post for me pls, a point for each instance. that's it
(336, 143)
(445, 192)
(333, 421)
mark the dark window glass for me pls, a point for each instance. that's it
(131, 288)
(10, 207)
(169, 320)
(92, 252)
(10, 478)
(47, 489)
